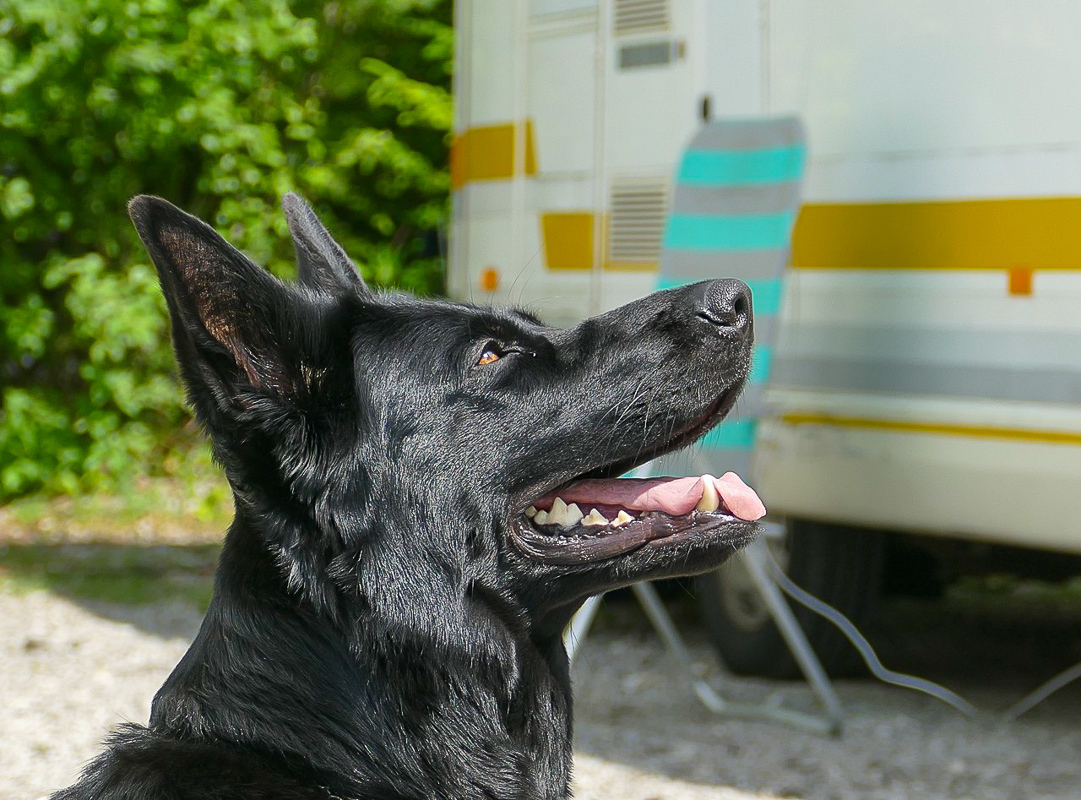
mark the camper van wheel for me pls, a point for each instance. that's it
(842, 566)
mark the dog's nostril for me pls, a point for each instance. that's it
(727, 304)
(741, 305)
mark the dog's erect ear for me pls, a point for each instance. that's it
(322, 264)
(233, 322)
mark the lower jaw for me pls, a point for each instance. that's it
(654, 531)
(741, 533)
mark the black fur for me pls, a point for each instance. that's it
(384, 624)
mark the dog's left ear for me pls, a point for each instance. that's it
(235, 326)
(322, 263)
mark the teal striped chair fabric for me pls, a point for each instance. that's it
(734, 204)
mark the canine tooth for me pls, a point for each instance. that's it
(711, 500)
(558, 514)
(541, 518)
(531, 512)
(622, 518)
(574, 514)
(594, 517)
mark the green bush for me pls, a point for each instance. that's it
(220, 107)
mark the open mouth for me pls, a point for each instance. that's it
(596, 517)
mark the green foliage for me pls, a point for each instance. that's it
(220, 107)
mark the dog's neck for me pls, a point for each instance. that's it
(383, 710)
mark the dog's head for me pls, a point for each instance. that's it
(421, 452)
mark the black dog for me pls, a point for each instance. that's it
(424, 498)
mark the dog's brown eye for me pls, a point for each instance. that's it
(488, 356)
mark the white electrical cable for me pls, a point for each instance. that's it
(866, 652)
(1041, 693)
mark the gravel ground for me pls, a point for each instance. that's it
(73, 669)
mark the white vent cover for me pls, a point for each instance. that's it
(637, 209)
(640, 16)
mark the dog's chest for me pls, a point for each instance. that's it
(541, 721)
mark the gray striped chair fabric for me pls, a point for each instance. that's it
(735, 200)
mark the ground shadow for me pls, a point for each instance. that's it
(115, 580)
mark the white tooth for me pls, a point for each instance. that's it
(531, 512)
(594, 517)
(558, 514)
(622, 518)
(541, 518)
(574, 514)
(710, 501)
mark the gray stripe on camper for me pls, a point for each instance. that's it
(933, 345)
(753, 134)
(996, 383)
(730, 201)
(747, 265)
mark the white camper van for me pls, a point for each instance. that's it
(927, 370)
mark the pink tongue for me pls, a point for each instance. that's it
(674, 496)
(741, 499)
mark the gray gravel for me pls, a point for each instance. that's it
(71, 671)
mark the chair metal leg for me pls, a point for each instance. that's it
(666, 628)
(754, 556)
(580, 624)
(786, 622)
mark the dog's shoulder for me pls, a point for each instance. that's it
(138, 764)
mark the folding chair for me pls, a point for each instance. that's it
(736, 195)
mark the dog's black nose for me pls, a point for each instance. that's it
(726, 304)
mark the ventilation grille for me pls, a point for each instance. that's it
(637, 214)
(640, 16)
(648, 54)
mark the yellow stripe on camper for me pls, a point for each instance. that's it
(1034, 233)
(568, 239)
(486, 153)
(568, 243)
(905, 426)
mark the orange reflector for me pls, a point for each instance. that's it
(489, 279)
(1020, 281)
